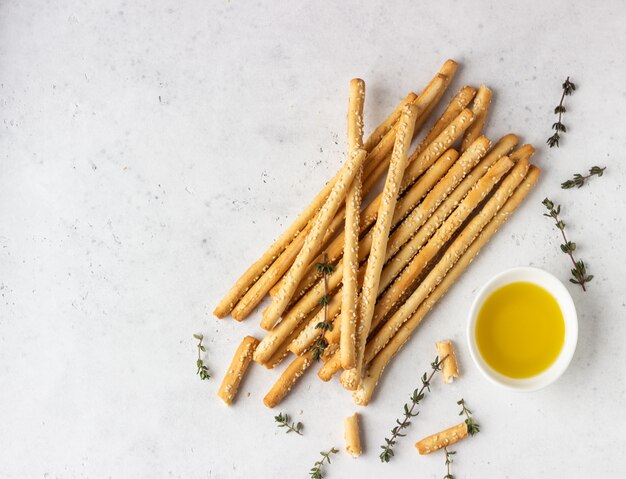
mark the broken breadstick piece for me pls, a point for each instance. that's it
(237, 369)
(287, 379)
(352, 435)
(449, 369)
(442, 439)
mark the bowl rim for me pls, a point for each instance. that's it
(557, 289)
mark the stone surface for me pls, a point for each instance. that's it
(151, 150)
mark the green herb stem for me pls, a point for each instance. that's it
(317, 471)
(409, 411)
(579, 180)
(579, 271)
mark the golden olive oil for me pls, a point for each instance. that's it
(520, 330)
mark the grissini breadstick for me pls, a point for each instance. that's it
(423, 104)
(442, 439)
(397, 264)
(451, 255)
(525, 151)
(352, 435)
(480, 108)
(393, 267)
(314, 239)
(287, 380)
(252, 274)
(236, 370)
(436, 196)
(309, 334)
(256, 270)
(330, 367)
(454, 127)
(292, 318)
(425, 255)
(284, 261)
(447, 72)
(458, 103)
(425, 160)
(391, 190)
(418, 163)
(364, 394)
(283, 349)
(332, 337)
(382, 129)
(375, 165)
(351, 231)
(415, 169)
(431, 95)
(449, 368)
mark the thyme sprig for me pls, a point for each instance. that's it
(472, 427)
(202, 371)
(558, 126)
(580, 180)
(325, 268)
(449, 462)
(579, 271)
(283, 420)
(316, 471)
(409, 411)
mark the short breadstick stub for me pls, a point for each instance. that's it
(237, 368)
(449, 368)
(442, 439)
(352, 435)
(287, 380)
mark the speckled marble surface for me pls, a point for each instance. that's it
(151, 150)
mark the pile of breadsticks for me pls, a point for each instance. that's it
(392, 258)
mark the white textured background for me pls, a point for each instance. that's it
(151, 150)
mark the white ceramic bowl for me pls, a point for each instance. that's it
(559, 292)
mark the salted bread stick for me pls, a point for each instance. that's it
(330, 367)
(438, 140)
(405, 203)
(449, 368)
(298, 313)
(352, 435)
(446, 72)
(283, 349)
(310, 333)
(450, 126)
(382, 129)
(254, 272)
(433, 152)
(442, 439)
(251, 275)
(480, 108)
(435, 197)
(427, 253)
(451, 255)
(287, 380)
(458, 103)
(269, 344)
(393, 267)
(364, 394)
(382, 227)
(313, 241)
(236, 370)
(424, 104)
(351, 231)
(385, 134)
